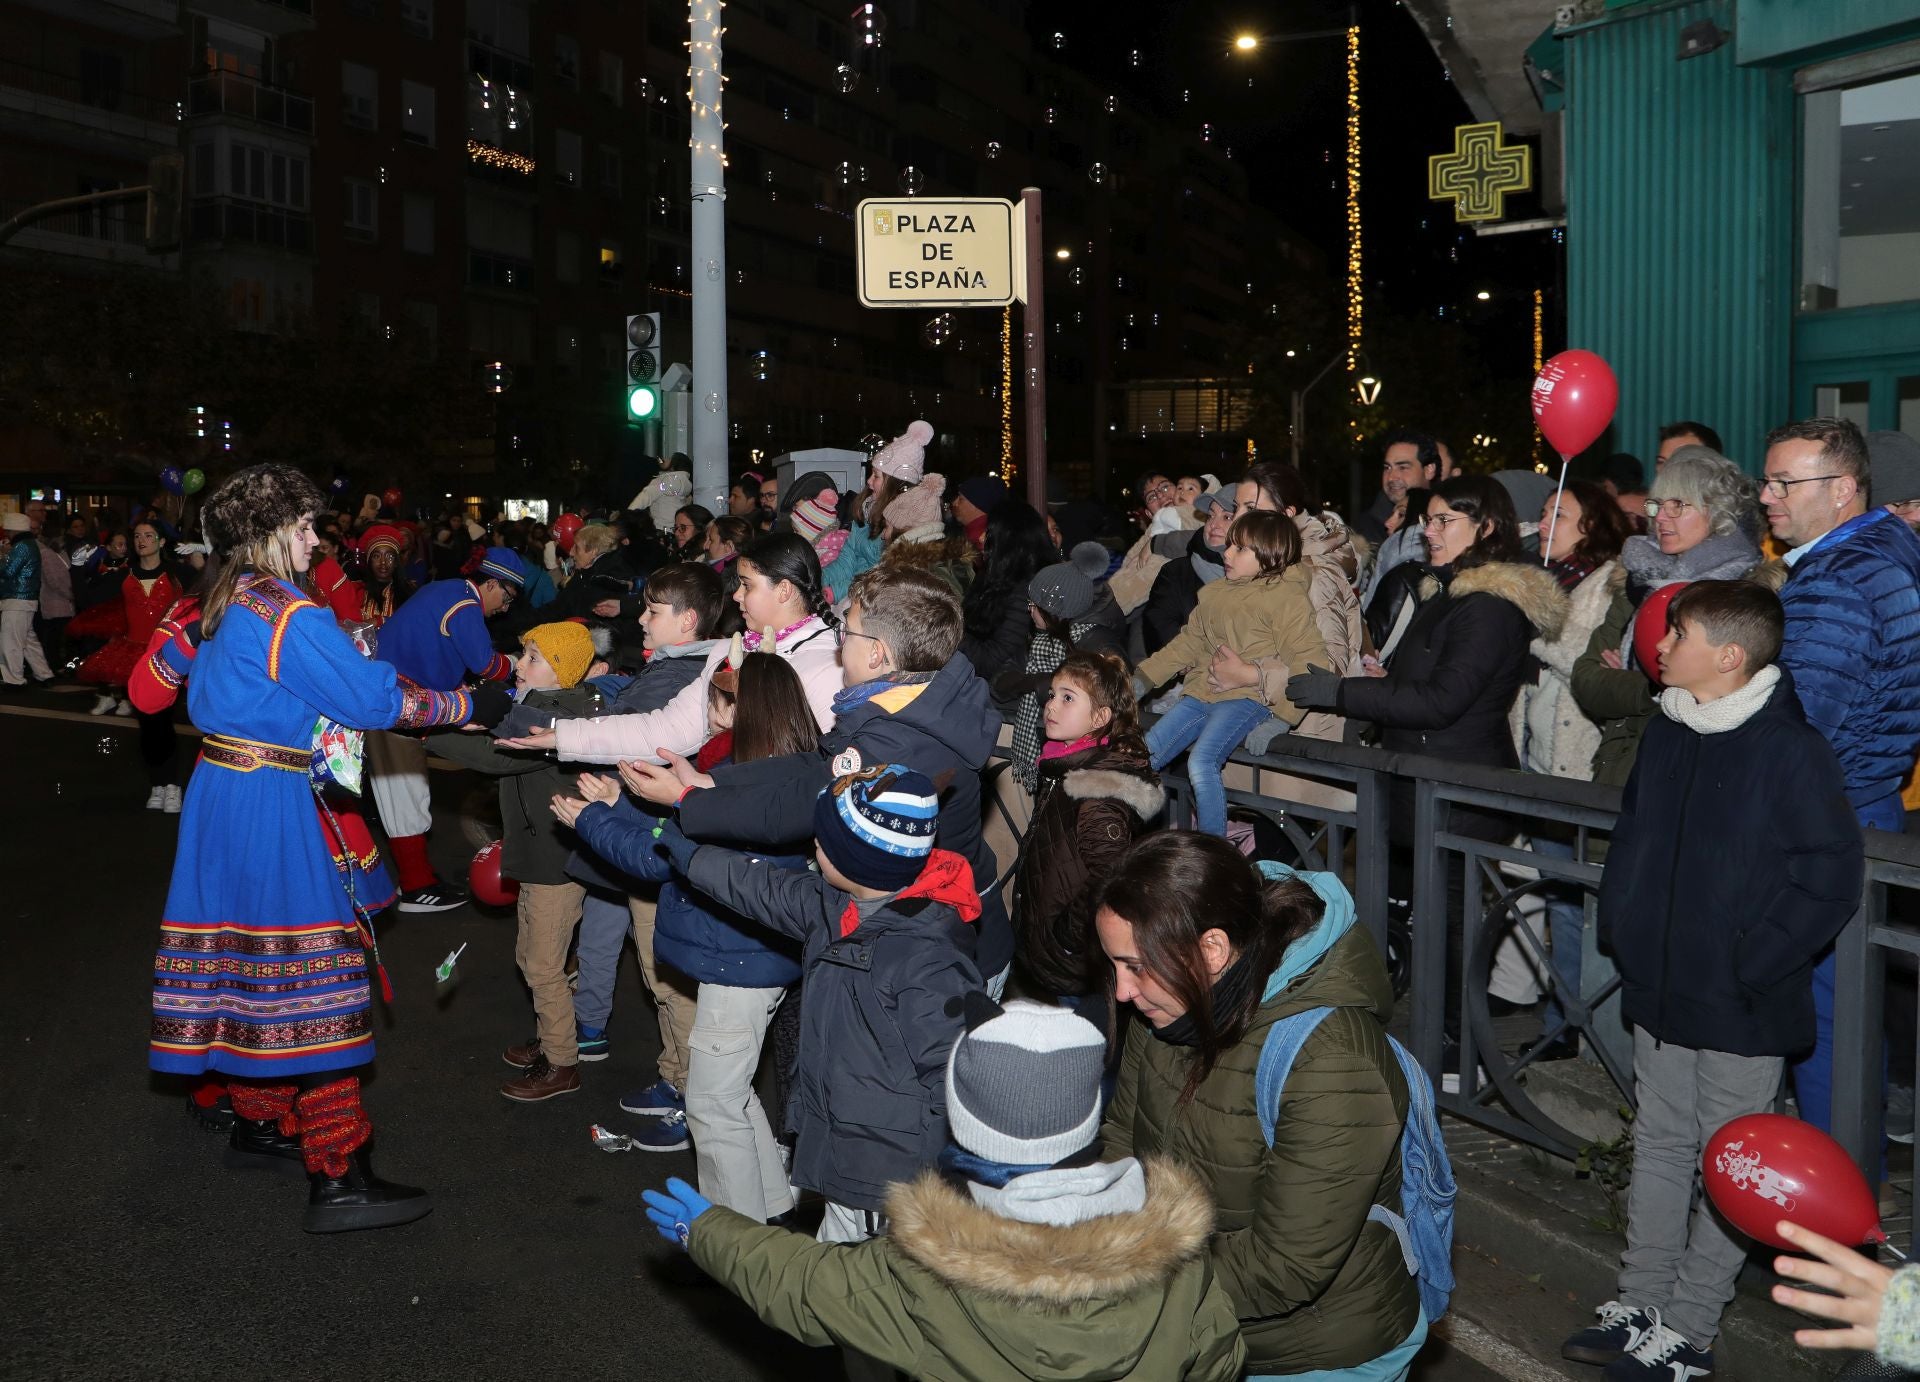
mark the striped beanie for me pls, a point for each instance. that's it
(382, 535)
(877, 825)
(504, 565)
(1023, 1086)
(812, 518)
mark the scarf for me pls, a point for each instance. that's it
(1228, 990)
(1726, 557)
(1045, 653)
(1055, 749)
(1729, 712)
(752, 641)
(1570, 571)
(848, 697)
(947, 878)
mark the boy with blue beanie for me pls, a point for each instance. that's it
(887, 934)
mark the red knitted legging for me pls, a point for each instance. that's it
(332, 1125)
(264, 1103)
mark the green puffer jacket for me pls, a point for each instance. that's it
(1316, 1285)
(957, 1293)
(1618, 699)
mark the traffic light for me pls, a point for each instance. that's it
(643, 367)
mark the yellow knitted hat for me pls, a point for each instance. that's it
(567, 647)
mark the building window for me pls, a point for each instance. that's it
(416, 118)
(417, 230)
(359, 96)
(611, 264)
(566, 158)
(366, 309)
(422, 328)
(266, 175)
(566, 350)
(103, 78)
(613, 77)
(416, 17)
(206, 169)
(566, 60)
(610, 170)
(363, 210)
(1860, 221)
(501, 25)
(566, 256)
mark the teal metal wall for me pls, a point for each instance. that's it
(1680, 226)
(1771, 30)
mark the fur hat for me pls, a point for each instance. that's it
(919, 506)
(256, 503)
(1893, 463)
(877, 825)
(905, 457)
(568, 648)
(1023, 1086)
(16, 523)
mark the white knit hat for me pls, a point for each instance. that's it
(1023, 1087)
(905, 457)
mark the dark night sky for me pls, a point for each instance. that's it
(1288, 126)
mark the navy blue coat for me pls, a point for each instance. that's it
(1853, 646)
(944, 728)
(691, 932)
(1736, 861)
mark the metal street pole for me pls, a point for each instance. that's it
(709, 256)
(1300, 407)
(1033, 322)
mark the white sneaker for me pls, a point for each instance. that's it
(102, 704)
(157, 799)
(123, 710)
(172, 808)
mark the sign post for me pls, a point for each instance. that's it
(1033, 318)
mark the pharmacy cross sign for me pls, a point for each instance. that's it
(1480, 172)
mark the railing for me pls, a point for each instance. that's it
(222, 218)
(123, 224)
(102, 91)
(1333, 809)
(231, 93)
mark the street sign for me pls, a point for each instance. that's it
(938, 252)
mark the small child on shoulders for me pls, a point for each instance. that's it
(1721, 890)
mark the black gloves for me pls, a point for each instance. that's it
(491, 703)
(1315, 689)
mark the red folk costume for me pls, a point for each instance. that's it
(144, 601)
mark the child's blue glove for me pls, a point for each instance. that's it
(669, 839)
(674, 1209)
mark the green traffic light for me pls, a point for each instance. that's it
(643, 403)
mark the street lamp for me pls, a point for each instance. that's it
(1246, 43)
(1369, 390)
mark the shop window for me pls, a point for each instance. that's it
(1860, 220)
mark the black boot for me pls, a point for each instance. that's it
(359, 1199)
(262, 1146)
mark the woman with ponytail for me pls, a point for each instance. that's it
(1211, 951)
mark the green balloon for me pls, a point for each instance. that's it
(193, 481)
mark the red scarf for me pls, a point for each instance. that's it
(715, 751)
(1055, 749)
(947, 878)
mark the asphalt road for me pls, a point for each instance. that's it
(128, 1251)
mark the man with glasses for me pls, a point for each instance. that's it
(769, 503)
(1852, 601)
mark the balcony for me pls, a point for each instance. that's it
(95, 108)
(213, 220)
(141, 19)
(112, 234)
(277, 18)
(248, 98)
(503, 272)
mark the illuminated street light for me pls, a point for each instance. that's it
(1063, 253)
(1246, 43)
(1369, 390)
(1483, 295)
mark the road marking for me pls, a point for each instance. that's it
(1495, 1353)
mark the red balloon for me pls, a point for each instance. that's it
(1766, 1167)
(565, 528)
(1650, 626)
(391, 498)
(1573, 400)
(485, 882)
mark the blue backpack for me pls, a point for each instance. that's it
(1426, 1176)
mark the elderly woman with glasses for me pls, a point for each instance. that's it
(1702, 516)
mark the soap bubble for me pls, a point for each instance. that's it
(872, 442)
(993, 148)
(1097, 175)
(938, 330)
(847, 77)
(1059, 43)
(1076, 275)
(912, 181)
(108, 745)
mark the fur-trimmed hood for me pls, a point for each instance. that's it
(1531, 589)
(927, 546)
(1140, 792)
(976, 1251)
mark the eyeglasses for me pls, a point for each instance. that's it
(1675, 509)
(1778, 488)
(855, 633)
(1441, 520)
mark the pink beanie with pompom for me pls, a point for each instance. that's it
(905, 457)
(919, 506)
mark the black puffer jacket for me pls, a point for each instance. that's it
(1090, 807)
(1722, 888)
(1176, 590)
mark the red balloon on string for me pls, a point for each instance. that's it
(565, 527)
(1650, 626)
(1766, 1167)
(391, 498)
(1573, 400)
(485, 881)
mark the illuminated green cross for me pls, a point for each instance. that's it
(1480, 172)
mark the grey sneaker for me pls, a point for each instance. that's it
(1620, 1328)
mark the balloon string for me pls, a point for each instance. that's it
(1895, 1251)
(1546, 547)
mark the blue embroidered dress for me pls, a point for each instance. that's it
(261, 970)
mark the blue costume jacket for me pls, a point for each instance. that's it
(439, 638)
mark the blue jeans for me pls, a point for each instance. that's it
(1813, 1077)
(1566, 921)
(1214, 729)
(604, 921)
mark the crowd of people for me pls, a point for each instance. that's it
(873, 784)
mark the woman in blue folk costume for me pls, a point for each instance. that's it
(262, 972)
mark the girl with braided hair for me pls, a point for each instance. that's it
(262, 972)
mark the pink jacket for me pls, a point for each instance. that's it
(681, 724)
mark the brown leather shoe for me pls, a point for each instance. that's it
(523, 1056)
(543, 1080)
